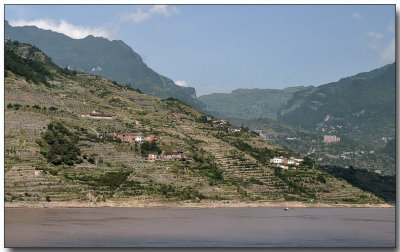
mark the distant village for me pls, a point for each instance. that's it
(138, 138)
(284, 162)
(281, 162)
(152, 156)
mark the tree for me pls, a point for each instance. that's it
(147, 147)
(59, 145)
(308, 162)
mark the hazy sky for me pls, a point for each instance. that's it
(218, 48)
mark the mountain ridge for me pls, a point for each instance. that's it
(117, 61)
(248, 103)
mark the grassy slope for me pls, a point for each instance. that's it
(119, 171)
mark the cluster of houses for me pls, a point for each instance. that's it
(134, 137)
(173, 155)
(284, 162)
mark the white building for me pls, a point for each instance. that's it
(331, 139)
(291, 161)
(276, 160)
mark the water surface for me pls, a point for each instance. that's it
(214, 227)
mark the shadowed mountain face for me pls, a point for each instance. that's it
(111, 59)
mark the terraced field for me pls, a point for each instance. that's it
(216, 167)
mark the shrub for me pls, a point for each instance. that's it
(91, 160)
(321, 178)
(17, 106)
(209, 170)
(59, 145)
(256, 181)
(112, 179)
(147, 147)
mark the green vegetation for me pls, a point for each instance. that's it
(111, 179)
(261, 154)
(147, 147)
(360, 107)
(304, 141)
(249, 103)
(31, 70)
(383, 186)
(59, 145)
(16, 106)
(209, 170)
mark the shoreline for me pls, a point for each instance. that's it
(186, 204)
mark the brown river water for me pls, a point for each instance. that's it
(199, 227)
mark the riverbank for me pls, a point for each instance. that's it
(184, 204)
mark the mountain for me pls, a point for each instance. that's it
(60, 146)
(360, 107)
(248, 103)
(96, 55)
(347, 152)
(357, 163)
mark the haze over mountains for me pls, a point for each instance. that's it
(248, 103)
(111, 59)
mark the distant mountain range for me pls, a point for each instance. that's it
(111, 59)
(360, 107)
(249, 103)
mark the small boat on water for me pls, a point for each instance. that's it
(286, 209)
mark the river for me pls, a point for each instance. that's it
(199, 227)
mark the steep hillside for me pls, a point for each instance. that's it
(111, 59)
(347, 152)
(248, 103)
(347, 159)
(361, 107)
(57, 148)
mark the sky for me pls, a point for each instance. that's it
(219, 48)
